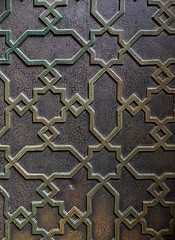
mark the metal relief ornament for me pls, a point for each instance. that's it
(87, 119)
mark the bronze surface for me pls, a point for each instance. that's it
(87, 120)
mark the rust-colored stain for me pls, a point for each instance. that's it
(103, 216)
(74, 235)
(102, 228)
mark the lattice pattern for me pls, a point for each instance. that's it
(87, 127)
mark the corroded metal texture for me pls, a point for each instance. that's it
(87, 119)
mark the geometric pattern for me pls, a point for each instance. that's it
(87, 119)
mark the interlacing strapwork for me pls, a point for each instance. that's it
(87, 119)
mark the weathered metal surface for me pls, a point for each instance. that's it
(87, 120)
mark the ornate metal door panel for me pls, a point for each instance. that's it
(87, 119)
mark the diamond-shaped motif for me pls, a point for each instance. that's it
(77, 105)
(75, 218)
(130, 218)
(21, 105)
(50, 17)
(159, 190)
(161, 133)
(21, 215)
(47, 190)
(50, 77)
(162, 76)
(164, 17)
(21, 218)
(48, 133)
(133, 105)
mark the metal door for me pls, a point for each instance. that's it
(87, 119)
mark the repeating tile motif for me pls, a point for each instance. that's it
(87, 119)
